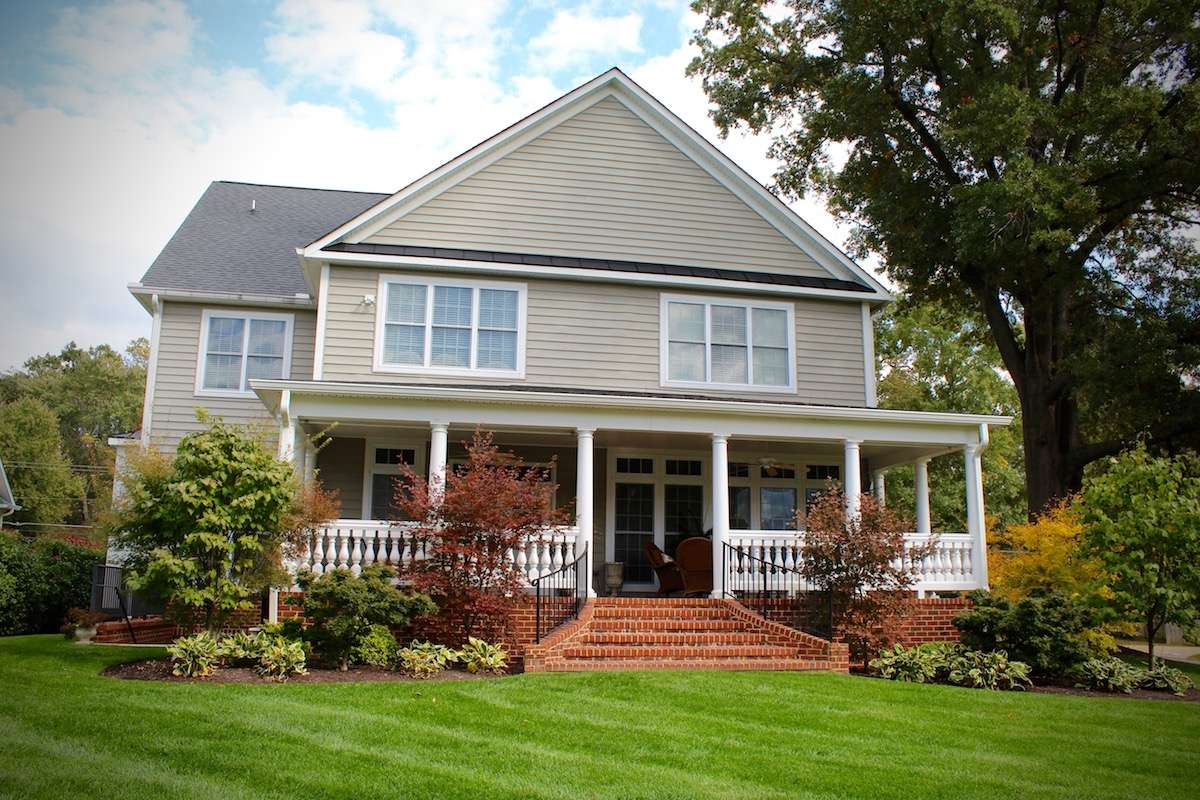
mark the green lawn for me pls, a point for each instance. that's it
(69, 732)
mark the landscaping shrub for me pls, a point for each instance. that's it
(1166, 679)
(992, 670)
(40, 580)
(925, 663)
(479, 656)
(1108, 675)
(425, 659)
(80, 618)
(291, 629)
(1050, 632)
(280, 658)
(1044, 556)
(241, 648)
(377, 648)
(343, 608)
(194, 656)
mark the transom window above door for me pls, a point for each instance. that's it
(449, 327)
(732, 344)
(237, 347)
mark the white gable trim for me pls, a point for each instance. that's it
(616, 84)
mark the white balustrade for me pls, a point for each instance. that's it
(357, 544)
(775, 555)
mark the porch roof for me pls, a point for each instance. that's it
(546, 408)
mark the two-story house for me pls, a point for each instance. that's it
(599, 286)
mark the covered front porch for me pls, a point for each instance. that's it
(635, 469)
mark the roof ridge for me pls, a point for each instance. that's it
(304, 188)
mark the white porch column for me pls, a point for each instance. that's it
(851, 476)
(720, 507)
(310, 461)
(879, 485)
(584, 486)
(972, 455)
(921, 489)
(439, 432)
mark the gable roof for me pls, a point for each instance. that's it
(611, 84)
(224, 246)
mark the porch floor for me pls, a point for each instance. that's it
(615, 633)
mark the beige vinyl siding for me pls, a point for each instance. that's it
(175, 401)
(600, 336)
(602, 184)
(340, 469)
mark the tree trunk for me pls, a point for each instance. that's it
(1049, 433)
(1150, 631)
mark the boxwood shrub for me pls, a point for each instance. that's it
(40, 580)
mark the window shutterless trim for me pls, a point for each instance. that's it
(386, 280)
(707, 301)
(206, 316)
(371, 469)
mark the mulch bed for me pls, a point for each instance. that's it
(1192, 696)
(159, 669)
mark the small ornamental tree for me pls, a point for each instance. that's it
(1045, 555)
(344, 607)
(1142, 523)
(862, 562)
(206, 528)
(487, 507)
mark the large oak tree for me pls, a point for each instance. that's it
(1037, 163)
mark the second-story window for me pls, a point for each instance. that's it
(450, 326)
(727, 343)
(237, 347)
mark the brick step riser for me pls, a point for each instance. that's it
(739, 665)
(688, 638)
(663, 613)
(705, 652)
(608, 602)
(695, 625)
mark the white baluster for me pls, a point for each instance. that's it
(369, 547)
(343, 551)
(355, 537)
(569, 540)
(330, 551)
(557, 541)
(307, 562)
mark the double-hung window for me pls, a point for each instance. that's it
(727, 344)
(237, 347)
(450, 327)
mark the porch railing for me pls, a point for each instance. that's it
(774, 588)
(949, 566)
(354, 544)
(559, 595)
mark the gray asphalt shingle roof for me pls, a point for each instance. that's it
(223, 246)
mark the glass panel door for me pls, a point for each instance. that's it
(683, 514)
(634, 526)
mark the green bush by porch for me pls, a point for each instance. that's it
(71, 732)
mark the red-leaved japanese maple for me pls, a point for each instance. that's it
(862, 560)
(487, 507)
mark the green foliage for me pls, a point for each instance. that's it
(241, 648)
(376, 648)
(990, 670)
(206, 528)
(424, 660)
(343, 608)
(291, 629)
(1142, 521)
(279, 658)
(94, 393)
(79, 618)
(924, 663)
(480, 656)
(31, 448)
(40, 580)
(1163, 678)
(1033, 164)
(935, 360)
(194, 656)
(1052, 633)
(1108, 675)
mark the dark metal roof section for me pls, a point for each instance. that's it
(601, 264)
(242, 238)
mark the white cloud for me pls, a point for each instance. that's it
(575, 36)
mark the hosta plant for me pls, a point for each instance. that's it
(980, 670)
(281, 658)
(1166, 679)
(480, 656)
(1108, 675)
(925, 663)
(425, 659)
(241, 648)
(194, 656)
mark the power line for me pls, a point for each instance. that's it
(50, 465)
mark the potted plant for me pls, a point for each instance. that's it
(81, 624)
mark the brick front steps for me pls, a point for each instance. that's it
(615, 633)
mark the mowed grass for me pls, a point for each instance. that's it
(68, 732)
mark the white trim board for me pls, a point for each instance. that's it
(616, 84)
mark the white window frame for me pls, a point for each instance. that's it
(371, 469)
(708, 301)
(246, 316)
(386, 280)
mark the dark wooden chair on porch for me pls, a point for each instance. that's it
(670, 579)
(695, 561)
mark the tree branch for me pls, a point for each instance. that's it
(932, 146)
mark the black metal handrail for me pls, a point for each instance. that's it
(559, 595)
(775, 591)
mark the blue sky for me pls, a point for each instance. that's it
(115, 114)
